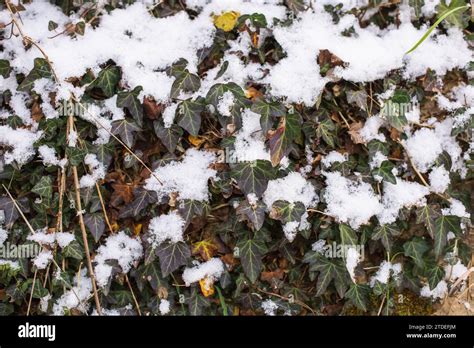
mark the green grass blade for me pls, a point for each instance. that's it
(440, 19)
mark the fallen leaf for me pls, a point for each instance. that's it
(227, 20)
(207, 286)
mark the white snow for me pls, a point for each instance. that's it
(97, 171)
(439, 179)
(166, 227)
(269, 307)
(188, 177)
(211, 270)
(48, 155)
(291, 188)
(164, 307)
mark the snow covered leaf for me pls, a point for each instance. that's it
(415, 248)
(189, 116)
(172, 256)
(129, 100)
(227, 20)
(4, 68)
(287, 212)
(385, 234)
(253, 177)
(217, 91)
(385, 171)
(168, 136)
(443, 225)
(125, 130)
(288, 131)
(251, 251)
(96, 224)
(107, 80)
(268, 111)
(186, 82)
(347, 234)
(359, 295)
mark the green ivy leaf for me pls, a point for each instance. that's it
(5, 68)
(358, 98)
(359, 295)
(125, 130)
(253, 177)
(168, 136)
(326, 130)
(107, 80)
(75, 155)
(268, 111)
(435, 274)
(74, 250)
(287, 212)
(384, 233)
(459, 19)
(44, 187)
(443, 225)
(415, 248)
(197, 303)
(427, 215)
(189, 208)
(385, 171)
(172, 256)
(96, 224)
(189, 116)
(348, 235)
(254, 213)
(142, 199)
(185, 82)
(129, 100)
(41, 69)
(251, 251)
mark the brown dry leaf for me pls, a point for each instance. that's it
(394, 134)
(270, 276)
(137, 229)
(152, 108)
(230, 260)
(36, 112)
(354, 132)
(124, 191)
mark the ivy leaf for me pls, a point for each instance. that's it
(375, 146)
(287, 212)
(129, 100)
(44, 187)
(326, 130)
(142, 199)
(75, 155)
(384, 233)
(168, 136)
(385, 171)
(197, 303)
(41, 69)
(427, 215)
(347, 234)
(52, 25)
(253, 177)
(267, 112)
(443, 225)
(188, 208)
(107, 80)
(10, 211)
(459, 19)
(172, 256)
(327, 272)
(74, 250)
(185, 82)
(251, 251)
(288, 131)
(125, 130)
(151, 273)
(96, 224)
(177, 68)
(359, 295)
(358, 98)
(189, 116)
(216, 92)
(5, 68)
(254, 213)
(415, 248)
(435, 274)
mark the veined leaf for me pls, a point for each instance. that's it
(443, 225)
(125, 130)
(129, 100)
(359, 295)
(287, 212)
(253, 177)
(415, 248)
(107, 80)
(172, 256)
(288, 131)
(385, 171)
(251, 253)
(4, 68)
(384, 233)
(96, 224)
(168, 136)
(348, 235)
(185, 82)
(189, 116)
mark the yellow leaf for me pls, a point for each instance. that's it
(207, 286)
(206, 248)
(115, 226)
(227, 20)
(196, 141)
(137, 229)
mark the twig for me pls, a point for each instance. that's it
(133, 295)
(31, 295)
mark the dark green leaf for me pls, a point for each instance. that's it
(251, 252)
(125, 130)
(172, 256)
(189, 116)
(96, 224)
(385, 171)
(253, 177)
(129, 100)
(359, 295)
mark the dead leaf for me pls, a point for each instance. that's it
(354, 132)
(205, 248)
